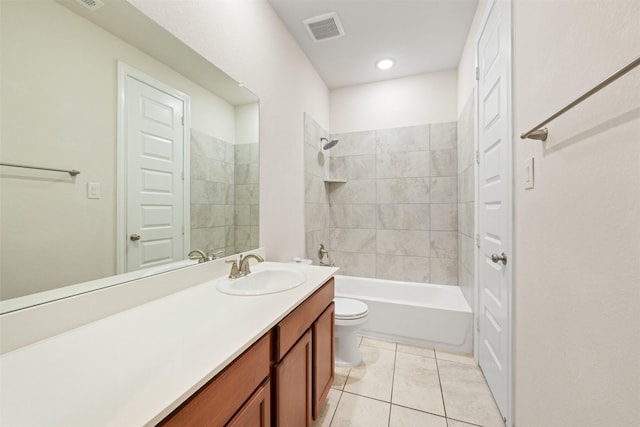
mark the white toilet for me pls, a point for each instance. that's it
(350, 315)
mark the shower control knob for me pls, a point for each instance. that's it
(134, 237)
(499, 258)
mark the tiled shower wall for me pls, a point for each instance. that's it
(466, 200)
(396, 217)
(224, 194)
(316, 196)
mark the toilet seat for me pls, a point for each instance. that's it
(350, 309)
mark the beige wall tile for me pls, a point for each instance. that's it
(398, 242)
(444, 217)
(444, 189)
(353, 192)
(444, 135)
(405, 268)
(354, 143)
(353, 216)
(412, 164)
(353, 240)
(354, 264)
(404, 216)
(412, 138)
(444, 162)
(403, 190)
(444, 244)
(444, 271)
(353, 167)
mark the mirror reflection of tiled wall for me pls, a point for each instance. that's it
(224, 195)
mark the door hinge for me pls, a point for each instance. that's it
(477, 73)
(477, 240)
(477, 157)
(183, 230)
(182, 120)
(183, 175)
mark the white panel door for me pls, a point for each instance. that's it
(154, 134)
(494, 203)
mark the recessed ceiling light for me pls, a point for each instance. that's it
(385, 64)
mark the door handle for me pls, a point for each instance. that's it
(134, 237)
(499, 258)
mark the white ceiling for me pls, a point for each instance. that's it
(423, 36)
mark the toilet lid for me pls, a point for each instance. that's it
(347, 308)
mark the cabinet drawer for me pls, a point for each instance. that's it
(216, 402)
(292, 327)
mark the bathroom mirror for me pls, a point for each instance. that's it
(62, 103)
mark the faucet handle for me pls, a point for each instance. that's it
(235, 272)
(214, 255)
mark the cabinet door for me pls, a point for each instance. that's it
(257, 411)
(322, 357)
(293, 385)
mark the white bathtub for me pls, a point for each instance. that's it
(436, 316)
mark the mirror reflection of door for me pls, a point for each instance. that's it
(156, 191)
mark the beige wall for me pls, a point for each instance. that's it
(247, 40)
(577, 234)
(59, 110)
(409, 101)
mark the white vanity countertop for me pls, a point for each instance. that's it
(133, 368)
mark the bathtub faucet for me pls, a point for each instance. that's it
(321, 254)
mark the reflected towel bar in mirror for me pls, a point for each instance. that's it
(71, 172)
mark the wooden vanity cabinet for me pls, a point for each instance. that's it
(257, 411)
(304, 359)
(281, 380)
(242, 388)
(323, 357)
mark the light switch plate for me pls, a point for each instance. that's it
(528, 174)
(93, 190)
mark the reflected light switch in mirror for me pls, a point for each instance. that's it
(93, 190)
(528, 174)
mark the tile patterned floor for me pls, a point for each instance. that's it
(399, 385)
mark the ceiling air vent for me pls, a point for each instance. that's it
(91, 4)
(324, 27)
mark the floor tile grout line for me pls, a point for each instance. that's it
(393, 378)
(366, 397)
(336, 410)
(444, 405)
(418, 410)
(462, 421)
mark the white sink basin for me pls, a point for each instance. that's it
(263, 280)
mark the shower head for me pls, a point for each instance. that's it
(328, 144)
